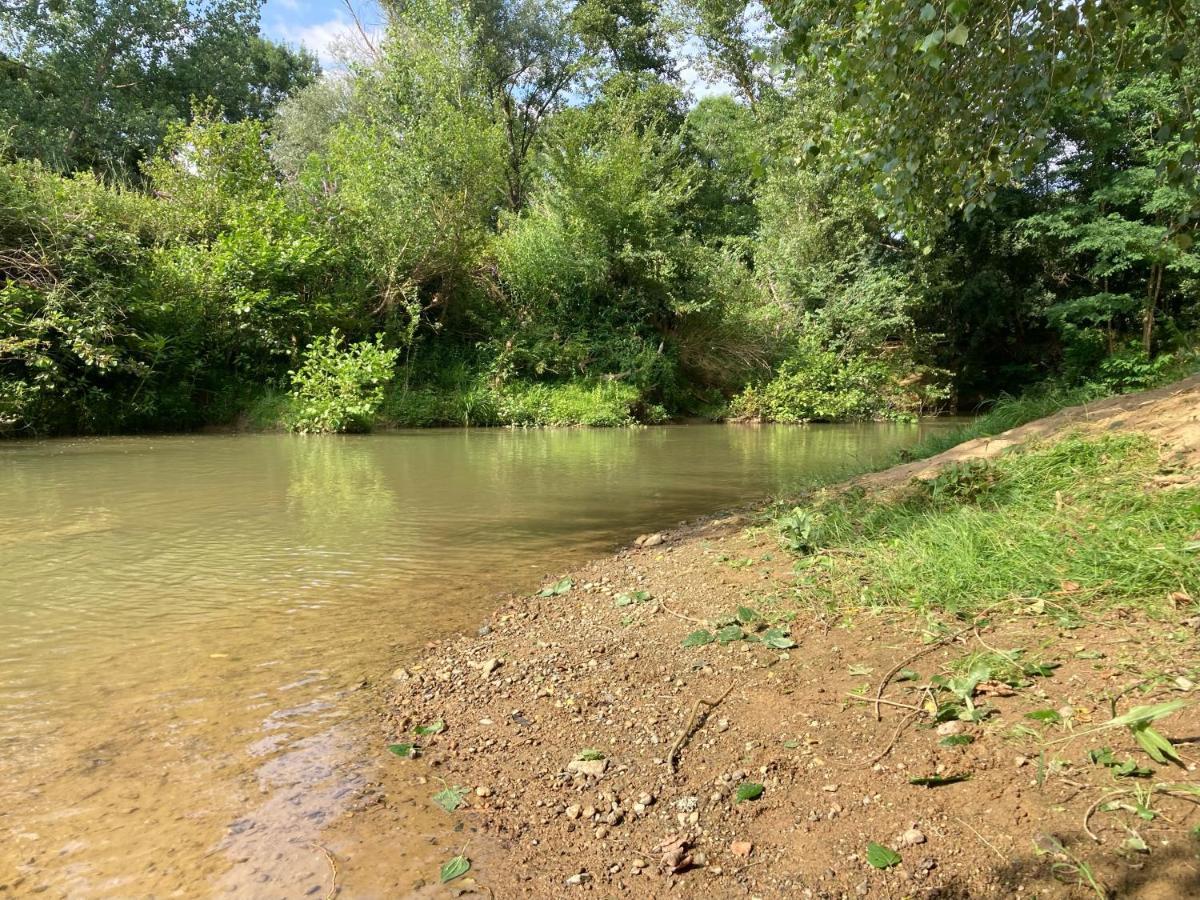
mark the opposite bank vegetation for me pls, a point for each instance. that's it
(517, 212)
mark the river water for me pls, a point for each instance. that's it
(189, 626)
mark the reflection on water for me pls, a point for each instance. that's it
(185, 621)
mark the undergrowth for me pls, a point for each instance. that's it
(1045, 400)
(1075, 523)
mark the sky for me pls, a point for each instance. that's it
(316, 24)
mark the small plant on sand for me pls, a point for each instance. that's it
(800, 530)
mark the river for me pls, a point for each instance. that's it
(191, 626)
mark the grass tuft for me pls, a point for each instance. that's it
(1074, 522)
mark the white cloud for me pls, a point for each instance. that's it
(326, 39)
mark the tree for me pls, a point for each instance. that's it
(731, 32)
(533, 58)
(94, 84)
(939, 104)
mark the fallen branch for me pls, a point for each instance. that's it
(692, 723)
(895, 737)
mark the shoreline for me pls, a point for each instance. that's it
(587, 750)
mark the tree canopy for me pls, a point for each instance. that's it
(520, 211)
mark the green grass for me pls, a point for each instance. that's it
(1076, 512)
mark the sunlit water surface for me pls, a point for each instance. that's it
(185, 622)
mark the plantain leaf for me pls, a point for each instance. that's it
(455, 868)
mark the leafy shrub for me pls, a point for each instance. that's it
(340, 390)
(800, 530)
(816, 385)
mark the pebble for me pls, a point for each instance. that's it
(579, 878)
(483, 792)
(593, 767)
(912, 837)
(952, 727)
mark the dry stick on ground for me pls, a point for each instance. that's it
(895, 737)
(899, 731)
(679, 615)
(986, 842)
(692, 723)
(904, 662)
(333, 870)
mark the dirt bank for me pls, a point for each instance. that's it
(597, 755)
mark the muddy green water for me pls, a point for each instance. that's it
(186, 623)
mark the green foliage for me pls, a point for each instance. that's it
(518, 196)
(94, 85)
(980, 84)
(338, 389)
(1012, 535)
(815, 385)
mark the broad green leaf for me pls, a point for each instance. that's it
(590, 755)
(746, 615)
(749, 790)
(454, 868)
(631, 597)
(405, 751)
(777, 639)
(1156, 746)
(1045, 715)
(881, 857)
(554, 590)
(698, 638)
(435, 728)
(730, 633)
(958, 35)
(451, 798)
(957, 740)
(931, 40)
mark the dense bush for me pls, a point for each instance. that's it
(340, 388)
(815, 385)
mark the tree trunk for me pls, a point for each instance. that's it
(1153, 289)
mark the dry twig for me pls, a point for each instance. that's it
(692, 724)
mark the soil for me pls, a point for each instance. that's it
(602, 758)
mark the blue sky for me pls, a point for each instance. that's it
(315, 24)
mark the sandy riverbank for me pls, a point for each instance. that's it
(596, 754)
